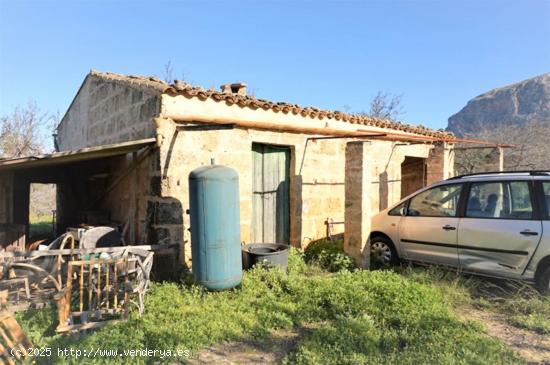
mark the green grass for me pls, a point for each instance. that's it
(353, 317)
(40, 227)
(521, 303)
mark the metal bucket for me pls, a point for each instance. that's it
(273, 254)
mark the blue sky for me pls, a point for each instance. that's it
(327, 54)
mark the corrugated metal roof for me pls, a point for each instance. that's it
(66, 157)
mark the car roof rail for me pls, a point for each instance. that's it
(530, 172)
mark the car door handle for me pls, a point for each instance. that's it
(449, 228)
(529, 233)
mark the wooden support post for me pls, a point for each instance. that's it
(90, 275)
(107, 284)
(81, 283)
(500, 159)
(98, 304)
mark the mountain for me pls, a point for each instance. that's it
(519, 103)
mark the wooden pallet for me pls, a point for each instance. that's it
(99, 291)
(14, 344)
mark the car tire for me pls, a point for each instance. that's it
(542, 281)
(382, 252)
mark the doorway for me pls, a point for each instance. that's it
(270, 193)
(413, 175)
(42, 211)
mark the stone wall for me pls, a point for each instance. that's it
(106, 112)
(440, 163)
(317, 177)
(358, 191)
(373, 176)
(155, 196)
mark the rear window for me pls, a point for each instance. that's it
(500, 200)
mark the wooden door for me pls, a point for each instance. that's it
(270, 195)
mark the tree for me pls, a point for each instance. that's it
(386, 106)
(168, 74)
(531, 151)
(25, 131)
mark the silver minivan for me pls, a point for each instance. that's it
(495, 224)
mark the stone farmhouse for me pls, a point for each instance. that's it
(126, 145)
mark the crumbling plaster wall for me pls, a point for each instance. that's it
(106, 112)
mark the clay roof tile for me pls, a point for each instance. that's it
(182, 87)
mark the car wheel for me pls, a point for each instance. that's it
(382, 252)
(543, 281)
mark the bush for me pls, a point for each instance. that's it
(329, 255)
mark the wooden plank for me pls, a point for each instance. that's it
(270, 181)
(115, 278)
(15, 331)
(110, 261)
(95, 312)
(257, 192)
(283, 198)
(5, 356)
(7, 340)
(98, 286)
(82, 251)
(107, 284)
(90, 276)
(275, 185)
(85, 326)
(81, 284)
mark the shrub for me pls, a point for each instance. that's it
(329, 255)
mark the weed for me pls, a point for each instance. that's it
(329, 255)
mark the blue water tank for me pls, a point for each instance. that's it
(215, 227)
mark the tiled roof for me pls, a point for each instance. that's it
(248, 101)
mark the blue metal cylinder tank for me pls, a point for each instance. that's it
(215, 227)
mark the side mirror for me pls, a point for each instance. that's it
(403, 211)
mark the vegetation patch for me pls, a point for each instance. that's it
(328, 255)
(40, 227)
(357, 317)
(521, 303)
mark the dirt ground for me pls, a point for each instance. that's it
(533, 347)
(266, 351)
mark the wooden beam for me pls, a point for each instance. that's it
(157, 249)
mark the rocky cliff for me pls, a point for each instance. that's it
(519, 103)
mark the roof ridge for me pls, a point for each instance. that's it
(181, 87)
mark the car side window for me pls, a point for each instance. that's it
(441, 201)
(546, 191)
(500, 200)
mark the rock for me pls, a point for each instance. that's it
(519, 103)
